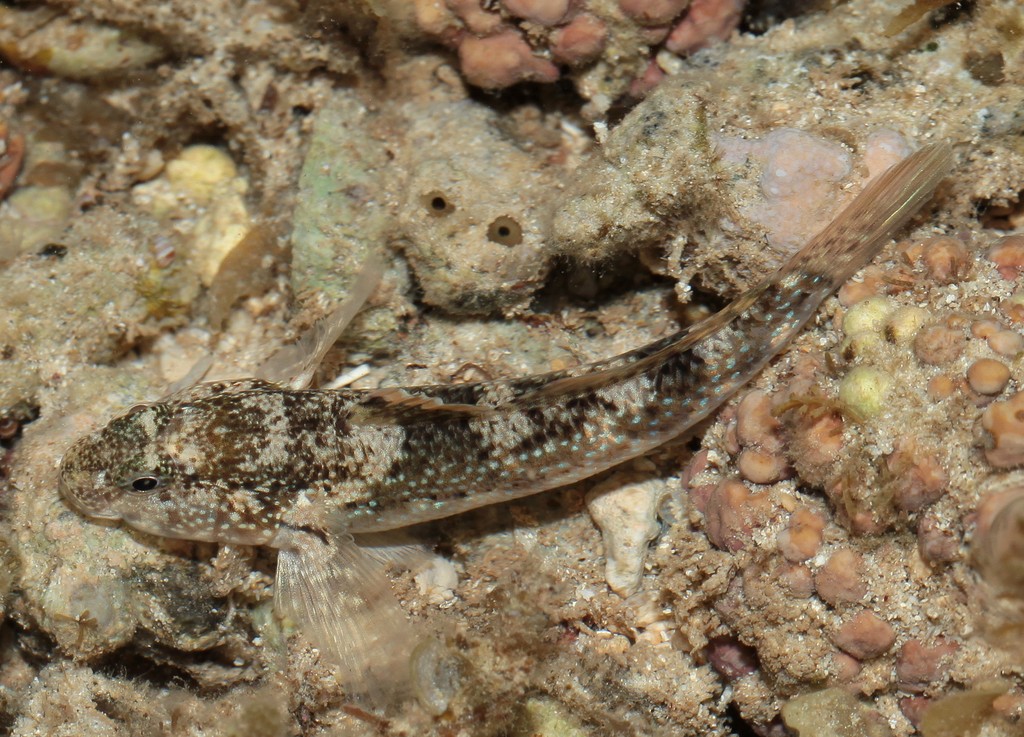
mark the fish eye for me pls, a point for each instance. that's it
(145, 483)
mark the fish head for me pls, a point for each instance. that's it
(142, 469)
(104, 473)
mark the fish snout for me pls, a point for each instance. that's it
(85, 489)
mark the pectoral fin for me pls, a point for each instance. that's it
(294, 365)
(341, 599)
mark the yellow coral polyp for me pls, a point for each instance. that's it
(903, 324)
(867, 315)
(201, 172)
(861, 343)
(864, 390)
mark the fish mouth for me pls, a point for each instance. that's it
(100, 515)
(72, 494)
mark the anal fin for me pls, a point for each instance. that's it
(341, 599)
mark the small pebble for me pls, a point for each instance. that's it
(841, 579)
(865, 636)
(998, 542)
(941, 387)
(919, 665)
(755, 423)
(988, 376)
(1013, 307)
(705, 21)
(1006, 343)
(731, 658)
(653, 12)
(201, 171)
(936, 345)
(816, 437)
(541, 12)
(918, 478)
(797, 579)
(914, 707)
(802, 538)
(478, 20)
(728, 515)
(945, 258)
(1007, 254)
(937, 544)
(760, 467)
(502, 60)
(1005, 422)
(846, 667)
(1003, 341)
(579, 41)
(855, 291)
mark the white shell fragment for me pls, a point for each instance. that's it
(625, 508)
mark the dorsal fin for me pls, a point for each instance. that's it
(207, 389)
(294, 365)
(395, 404)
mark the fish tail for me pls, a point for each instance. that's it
(866, 224)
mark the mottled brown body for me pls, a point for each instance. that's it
(252, 462)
